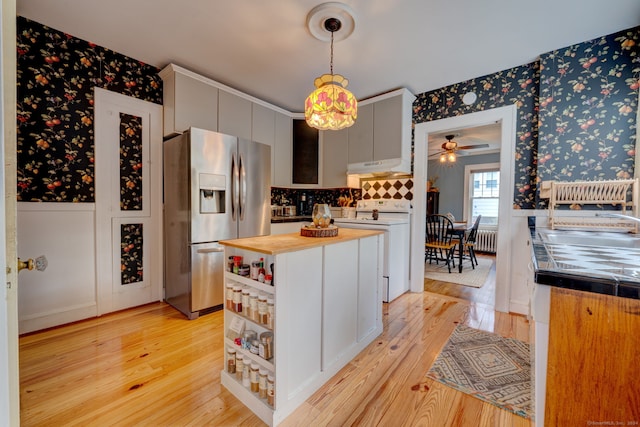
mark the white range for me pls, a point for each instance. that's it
(394, 218)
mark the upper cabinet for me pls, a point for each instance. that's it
(380, 139)
(281, 169)
(189, 100)
(335, 152)
(234, 115)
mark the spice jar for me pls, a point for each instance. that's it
(231, 361)
(237, 262)
(271, 390)
(262, 309)
(245, 302)
(247, 337)
(255, 346)
(244, 270)
(253, 306)
(270, 312)
(254, 377)
(262, 383)
(229, 296)
(230, 263)
(246, 374)
(237, 299)
(239, 366)
(266, 345)
(255, 269)
(268, 279)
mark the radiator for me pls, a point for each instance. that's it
(486, 240)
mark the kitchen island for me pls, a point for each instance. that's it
(326, 298)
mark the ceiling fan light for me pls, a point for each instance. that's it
(443, 158)
(451, 157)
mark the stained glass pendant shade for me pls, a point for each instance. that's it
(331, 106)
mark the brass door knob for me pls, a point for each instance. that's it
(39, 264)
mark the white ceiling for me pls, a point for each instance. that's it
(263, 48)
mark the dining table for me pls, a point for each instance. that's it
(459, 230)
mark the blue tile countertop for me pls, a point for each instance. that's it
(592, 261)
(295, 218)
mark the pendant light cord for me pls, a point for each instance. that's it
(331, 63)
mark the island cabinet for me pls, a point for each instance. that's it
(327, 307)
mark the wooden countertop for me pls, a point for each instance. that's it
(282, 243)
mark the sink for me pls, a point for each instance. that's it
(590, 238)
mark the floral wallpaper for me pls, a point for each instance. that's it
(130, 162)
(56, 74)
(576, 112)
(588, 104)
(131, 270)
(518, 86)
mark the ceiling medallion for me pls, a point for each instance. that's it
(331, 106)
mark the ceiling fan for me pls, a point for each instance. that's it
(450, 147)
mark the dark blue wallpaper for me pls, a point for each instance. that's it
(56, 74)
(576, 112)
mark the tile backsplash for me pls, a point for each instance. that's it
(387, 189)
(304, 199)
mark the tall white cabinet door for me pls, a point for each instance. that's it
(368, 277)
(335, 153)
(281, 171)
(361, 136)
(234, 115)
(340, 300)
(128, 140)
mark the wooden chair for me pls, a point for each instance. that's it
(470, 242)
(439, 244)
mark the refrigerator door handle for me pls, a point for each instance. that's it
(235, 187)
(208, 251)
(243, 187)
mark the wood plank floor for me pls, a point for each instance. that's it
(149, 366)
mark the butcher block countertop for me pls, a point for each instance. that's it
(282, 243)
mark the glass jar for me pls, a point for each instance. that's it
(254, 377)
(247, 337)
(255, 268)
(229, 296)
(271, 390)
(246, 374)
(262, 383)
(266, 345)
(239, 366)
(245, 302)
(231, 361)
(253, 306)
(270, 312)
(237, 299)
(321, 215)
(262, 309)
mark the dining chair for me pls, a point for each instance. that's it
(439, 244)
(470, 242)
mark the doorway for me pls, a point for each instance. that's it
(506, 116)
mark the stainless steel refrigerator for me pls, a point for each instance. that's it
(216, 187)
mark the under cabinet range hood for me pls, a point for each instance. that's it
(380, 167)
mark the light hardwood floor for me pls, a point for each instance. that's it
(149, 366)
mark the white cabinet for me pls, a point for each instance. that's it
(335, 152)
(327, 309)
(382, 133)
(188, 100)
(234, 115)
(281, 171)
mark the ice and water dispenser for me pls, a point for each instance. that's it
(212, 193)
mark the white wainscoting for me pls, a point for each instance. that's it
(66, 290)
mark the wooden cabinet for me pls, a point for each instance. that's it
(433, 202)
(328, 308)
(593, 361)
(188, 100)
(335, 152)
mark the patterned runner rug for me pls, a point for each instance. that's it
(487, 366)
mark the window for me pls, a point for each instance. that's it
(483, 182)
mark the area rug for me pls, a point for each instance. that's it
(494, 369)
(469, 276)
